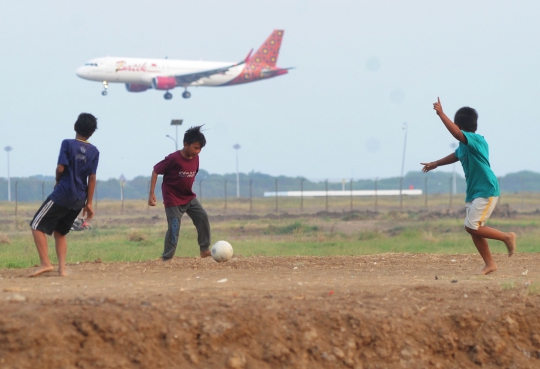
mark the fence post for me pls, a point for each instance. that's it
(522, 195)
(326, 188)
(148, 202)
(250, 196)
(450, 205)
(302, 195)
(400, 194)
(276, 196)
(500, 188)
(122, 197)
(351, 195)
(16, 197)
(375, 182)
(425, 188)
(43, 191)
(225, 197)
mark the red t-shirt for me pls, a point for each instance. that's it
(178, 177)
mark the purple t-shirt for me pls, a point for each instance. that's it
(80, 159)
(178, 177)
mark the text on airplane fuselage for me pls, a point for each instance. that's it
(123, 66)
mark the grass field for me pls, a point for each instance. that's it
(136, 233)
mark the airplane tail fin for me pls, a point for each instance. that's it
(267, 55)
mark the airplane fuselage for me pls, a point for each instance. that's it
(143, 71)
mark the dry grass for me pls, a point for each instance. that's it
(136, 235)
(429, 237)
(386, 205)
(4, 240)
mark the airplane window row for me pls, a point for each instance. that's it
(91, 64)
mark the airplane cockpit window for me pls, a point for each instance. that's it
(91, 64)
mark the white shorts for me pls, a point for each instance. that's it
(479, 211)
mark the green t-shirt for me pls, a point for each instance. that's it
(474, 157)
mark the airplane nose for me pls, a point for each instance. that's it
(81, 72)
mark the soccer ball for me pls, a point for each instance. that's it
(222, 251)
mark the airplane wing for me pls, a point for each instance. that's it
(187, 79)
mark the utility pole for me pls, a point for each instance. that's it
(237, 147)
(405, 126)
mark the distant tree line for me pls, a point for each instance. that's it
(216, 185)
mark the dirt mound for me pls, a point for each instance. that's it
(377, 311)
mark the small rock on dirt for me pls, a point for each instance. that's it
(16, 297)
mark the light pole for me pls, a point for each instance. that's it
(405, 126)
(453, 145)
(122, 180)
(175, 142)
(176, 123)
(237, 147)
(8, 149)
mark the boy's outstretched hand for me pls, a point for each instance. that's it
(429, 166)
(438, 107)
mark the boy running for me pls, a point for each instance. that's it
(73, 191)
(482, 185)
(179, 170)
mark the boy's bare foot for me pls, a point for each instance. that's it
(40, 270)
(62, 273)
(488, 269)
(205, 254)
(511, 243)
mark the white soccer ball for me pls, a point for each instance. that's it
(222, 251)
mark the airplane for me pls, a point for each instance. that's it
(165, 74)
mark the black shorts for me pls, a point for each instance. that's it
(52, 217)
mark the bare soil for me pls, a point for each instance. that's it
(376, 311)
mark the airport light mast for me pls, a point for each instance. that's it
(176, 123)
(8, 149)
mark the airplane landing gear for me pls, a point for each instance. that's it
(186, 94)
(105, 87)
(167, 95)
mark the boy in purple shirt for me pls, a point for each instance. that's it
(179, 170)
(73, 191)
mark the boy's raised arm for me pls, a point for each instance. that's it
(451, 126)
(151, 195)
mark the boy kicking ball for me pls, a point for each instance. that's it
(179, 170)
(482, 185)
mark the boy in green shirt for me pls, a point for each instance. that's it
(482, 185)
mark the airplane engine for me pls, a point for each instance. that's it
(132, 87)
(164, 83)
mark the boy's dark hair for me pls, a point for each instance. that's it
(86, 124)
(466, 119)
(194, 134)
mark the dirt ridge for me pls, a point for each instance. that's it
(373, 311)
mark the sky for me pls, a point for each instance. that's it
(362, 70)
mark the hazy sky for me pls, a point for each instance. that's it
(363, 68)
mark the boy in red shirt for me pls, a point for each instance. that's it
(179, 170)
